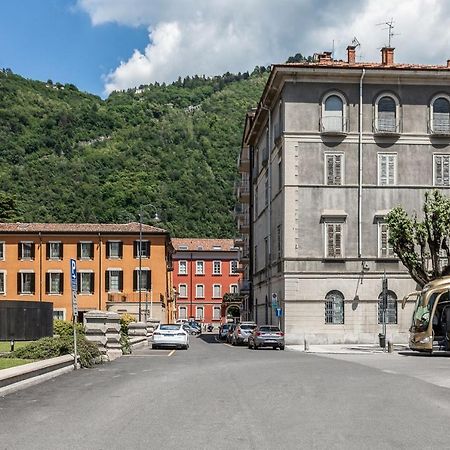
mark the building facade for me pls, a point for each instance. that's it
(335, 145)
(205, 270)
(116, 270)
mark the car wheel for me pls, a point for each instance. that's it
(274, 347)
(154, 347)
(233, 342)
(281, 347)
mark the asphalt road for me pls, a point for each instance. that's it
(214, 396)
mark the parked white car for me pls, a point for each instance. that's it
(170, 335)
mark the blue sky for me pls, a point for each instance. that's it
(54, 39)
(106, 45)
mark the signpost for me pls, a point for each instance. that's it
(274, 300)
(73, 283)
(384, 304)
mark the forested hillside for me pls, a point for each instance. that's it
(68, 156)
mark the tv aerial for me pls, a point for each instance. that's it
(389, 25)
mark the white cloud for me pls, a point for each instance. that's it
(214, 36)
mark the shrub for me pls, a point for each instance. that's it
(64, 328)
(50, 347)
(125, 320)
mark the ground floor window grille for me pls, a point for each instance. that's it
(391, 311)
(334, 308)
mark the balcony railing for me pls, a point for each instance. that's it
(333, 125)
(440, 126)
(386, 125)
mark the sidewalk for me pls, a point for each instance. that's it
(349, 349)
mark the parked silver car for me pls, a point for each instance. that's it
(266, 336)
(242, 332)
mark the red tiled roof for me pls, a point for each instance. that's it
(364, 65)
(132, 227)
(188, 244)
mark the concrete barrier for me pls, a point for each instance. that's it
(21, 377)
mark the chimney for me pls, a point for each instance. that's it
(387, 56)
(351, 54)
(448, 63)
(325, 57)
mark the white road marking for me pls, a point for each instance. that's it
(171, 353)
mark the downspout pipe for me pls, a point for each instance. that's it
(360, 149)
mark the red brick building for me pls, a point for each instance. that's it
(204, 270)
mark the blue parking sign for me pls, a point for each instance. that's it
(73, 274)
(279, 312)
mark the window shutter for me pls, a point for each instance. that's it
(61, 282)
(135, 277)
(120, 249)
(47, 250)
(120, 281)
(135, 249)
(338, 170)
(19, 250)
(338, 250)
(33, 282)
(383, 170)
(91, 283)
(47, 283)
(107, 249)
(149, 279)
(79, 250)
(19, 282)
(445, 170)
(32, 250)
(78, 282)
(383, 240)
(330, 240)
(330, 177)
(61, 250)
(391, 170)
(107, 273)
(148, 248)
(91, 251)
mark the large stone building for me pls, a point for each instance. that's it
(330, 149)
(116, 270)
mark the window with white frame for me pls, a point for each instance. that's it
(440, 115)
(142, 279)
(334, 308)
(182, 290)
(217, 268)
(391, 310)
(334, 169)
(182, 312)
(26, 282)
(114, 280)
(217, 291)
(85, 250)
(333, 240)
(333, 113)
(234, 289)
(114, 250)
(216, 313)
(199, 267)
(199, 291)
(2, 282)
(54, 283)
(441, 171)
(233, 267)
(199, 312)
(182, 267)
(385, 249)
(142, 247)
(54, 250)
(386, 114)
(2, 251)
(26, 250)
(85, 282)
(59, 314)
(387, 169)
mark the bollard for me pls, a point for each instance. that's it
(306, 344)
(11, 343)
(390, 347)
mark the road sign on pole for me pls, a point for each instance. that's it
(73, 283)
(279, 312)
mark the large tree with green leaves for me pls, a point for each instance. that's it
(421, 244)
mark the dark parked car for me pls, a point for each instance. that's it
(266, 336)
(231, 328)
(223, 331)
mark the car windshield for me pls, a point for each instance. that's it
(269, 329)
(248, 327)
(169, 326)
(422, 313)
(225, 327)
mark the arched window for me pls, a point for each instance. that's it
(440, 116)
(334, 307)
(391, 311)
(386, 115)
(333, 114)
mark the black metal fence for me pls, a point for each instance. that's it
(25, 321)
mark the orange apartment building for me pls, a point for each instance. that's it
(35, 265)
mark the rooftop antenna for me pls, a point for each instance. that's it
(390, 27)
(356, 44)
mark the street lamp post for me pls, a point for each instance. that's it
(156, 219)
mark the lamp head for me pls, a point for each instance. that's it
(156, 218)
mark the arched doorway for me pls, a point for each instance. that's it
(233, 313)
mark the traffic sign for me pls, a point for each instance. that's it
(73, 274)
(279, 312)
(274, 300)
(74, 303)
